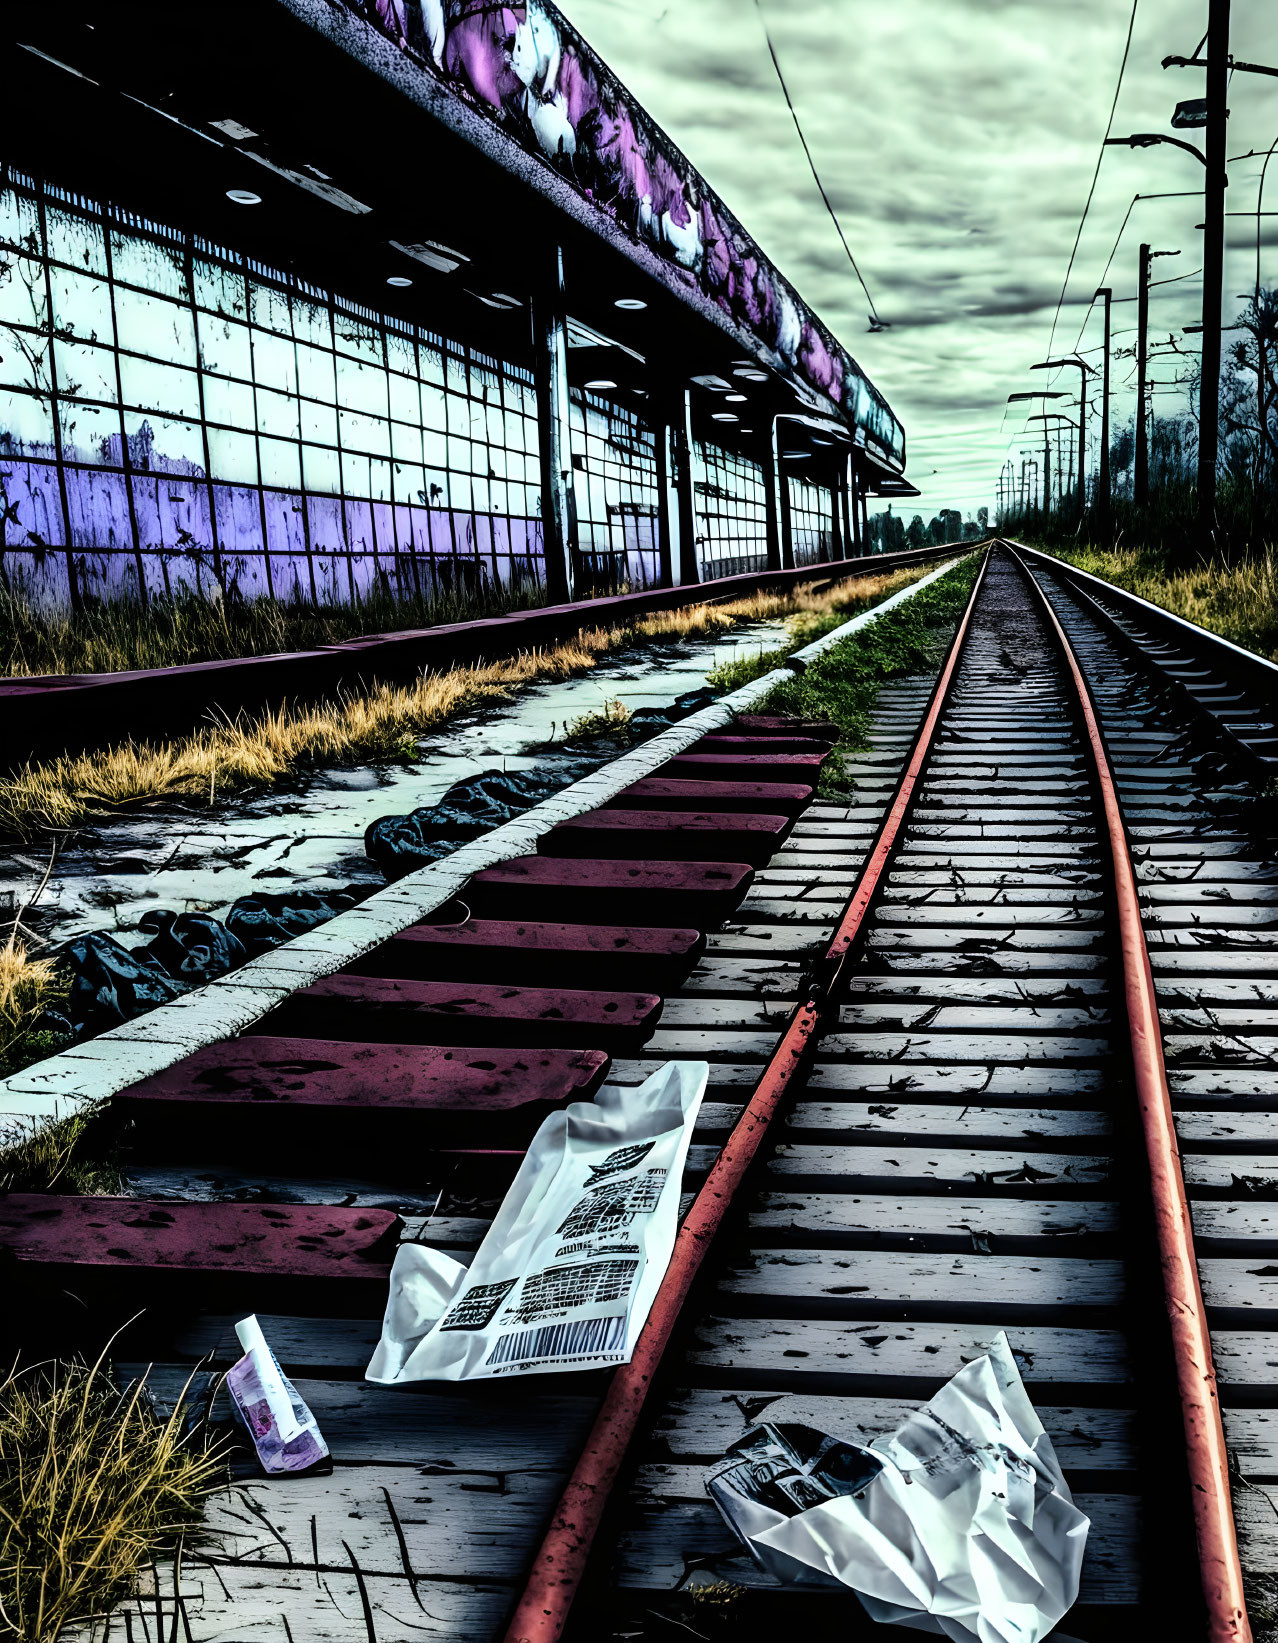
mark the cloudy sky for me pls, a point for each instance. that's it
(957, 141)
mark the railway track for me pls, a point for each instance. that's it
(934, 1112)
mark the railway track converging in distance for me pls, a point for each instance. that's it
(991, 1046)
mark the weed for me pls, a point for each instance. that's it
(841, 685)
(75, 1154)
(110, 635)
(1238, 600)
(92, 1483)
(612, 719)
(28, 988)
(383, 723)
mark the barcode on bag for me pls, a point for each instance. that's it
(570, 1340)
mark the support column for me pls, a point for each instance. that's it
(772, 514)
(845, 510)
(551, 373)
(668, 531)
(837, 549)
(852, 507)
(685, 453)
(865, 523)
(781, 500)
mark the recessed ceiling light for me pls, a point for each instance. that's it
(243, 196)
(747, 430)
(398, 280)
(738, 399)
(817, 440)
(748, 373)
(724, 416)
(796, 456)
(632, 305)
(600, 385)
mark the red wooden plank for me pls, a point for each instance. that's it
(444, 1096)
(745, 767)
(505, 950)
(771, 724)
(626, 892)
(129, 1242)
(383, 1009)
(677, 835)
(766, 745)
(666, 793)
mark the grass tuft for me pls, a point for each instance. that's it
(842, 685)
(28, 987)
(92, 1483)
(75, 1154)
(1237, 600)
(108, 636)
(382, 723)
(612, 719)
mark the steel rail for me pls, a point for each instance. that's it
(543, 1607)
(1206, 1454)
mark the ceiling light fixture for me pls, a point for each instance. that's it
(750, 374)
(737, 399)
(632, 305)
(399, 281)
(724, 416)
(600, 385)
(243, 196)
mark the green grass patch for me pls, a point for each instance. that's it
(1237, 599)
(79, 1154)
(842, 685)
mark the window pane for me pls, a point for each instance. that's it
(144, 262)
(277, 414)
(160, 444)
(158, 387)
(148, 325)
(26, 422)
(233, 456)
(85, 372)
(228, 402)
(274, 362)
(319, 422)
(76, 240)
(220, 289)
(224, 347)
(281, 464)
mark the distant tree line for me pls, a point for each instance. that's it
(1247, 493)
(890, 534)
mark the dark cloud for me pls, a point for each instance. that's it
(957, 139)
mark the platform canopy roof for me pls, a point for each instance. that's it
(447, 143)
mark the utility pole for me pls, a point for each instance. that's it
(1047, 470)
(1103, 490)
(1140, 479)
(1214, 185)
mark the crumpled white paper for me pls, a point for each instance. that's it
(967, 1528)
(571, 1265)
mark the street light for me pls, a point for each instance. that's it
(1083, 369)
(1147, 139)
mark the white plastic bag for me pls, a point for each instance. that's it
(569, 1269)
(959, 1524)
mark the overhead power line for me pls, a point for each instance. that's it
(1109, 126)
(875, 321)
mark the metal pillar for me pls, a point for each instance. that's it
(772, 508)
(551, 376)
(851, 514)
(669, 535)
(1104, 490)
(685, 453)
(782, 488)
(1214, 185)
(1140, 477)
(837, 550)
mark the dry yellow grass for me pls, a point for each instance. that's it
(1238, 601)
(92, 1483)
(383, 722)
